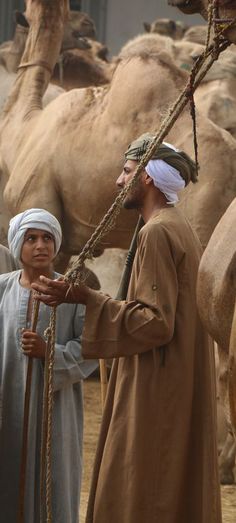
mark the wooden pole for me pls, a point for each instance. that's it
(24, 448)
(103, 380)
(121, 295)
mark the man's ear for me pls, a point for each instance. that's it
(147, 178)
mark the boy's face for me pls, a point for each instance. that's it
(38, 250)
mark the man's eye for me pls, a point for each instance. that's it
(47, 237)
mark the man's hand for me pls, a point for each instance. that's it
(55, 292)
(32, 344)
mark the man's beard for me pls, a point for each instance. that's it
(134, 198)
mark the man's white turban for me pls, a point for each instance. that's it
(170, 168)
(32, 219)
(165, 177)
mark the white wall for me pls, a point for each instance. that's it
(125, 19)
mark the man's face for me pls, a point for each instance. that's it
(38, 249)
(135, 196)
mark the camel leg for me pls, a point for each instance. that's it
(232, 374)
(227, 452)
(227, 460)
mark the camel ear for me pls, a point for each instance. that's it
(103, 53)
(147, 27)
(172, 25)
(20, 19)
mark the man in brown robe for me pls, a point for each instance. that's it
(156, 459)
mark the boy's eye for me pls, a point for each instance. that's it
(48, 237)
(30, 238)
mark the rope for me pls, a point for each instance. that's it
(46, 442)
(39, 63)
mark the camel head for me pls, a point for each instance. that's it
(226, 11)
(190, 6)
(33, 9)
(81, 24)
(166, 27)
(78, 27)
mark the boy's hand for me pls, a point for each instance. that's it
(32, 344)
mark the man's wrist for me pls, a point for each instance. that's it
(82, 294)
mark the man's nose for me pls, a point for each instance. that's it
(121, 180)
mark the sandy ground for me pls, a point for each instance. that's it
(92, 405)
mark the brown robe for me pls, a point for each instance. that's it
(156, 460)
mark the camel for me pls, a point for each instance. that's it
(83, 68)
(217, 269)
(217, 280)
(226, 11)
(183, 53)
(215, 97)
(197, 34)
(6, 81)
(78, 26)
(166, 27)
(11, 51)
(82, 62)
(59, 167)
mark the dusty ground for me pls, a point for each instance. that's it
(92, 404)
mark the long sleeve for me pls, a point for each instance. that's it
(69, 364)
(123, 328)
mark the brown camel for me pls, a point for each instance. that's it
(166, 27)
(82, 62)
(60, 152)
(217, 272)
(197, 34)
(216, 302)
(226, 11)
(83, 68)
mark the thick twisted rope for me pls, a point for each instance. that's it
(46, 442)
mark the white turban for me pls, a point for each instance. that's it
(165, 177)
(32, 219)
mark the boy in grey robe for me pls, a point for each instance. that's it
(34, 230)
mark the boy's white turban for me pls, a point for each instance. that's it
(32, 219)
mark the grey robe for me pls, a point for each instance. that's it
(7, 262)
(69, 370)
